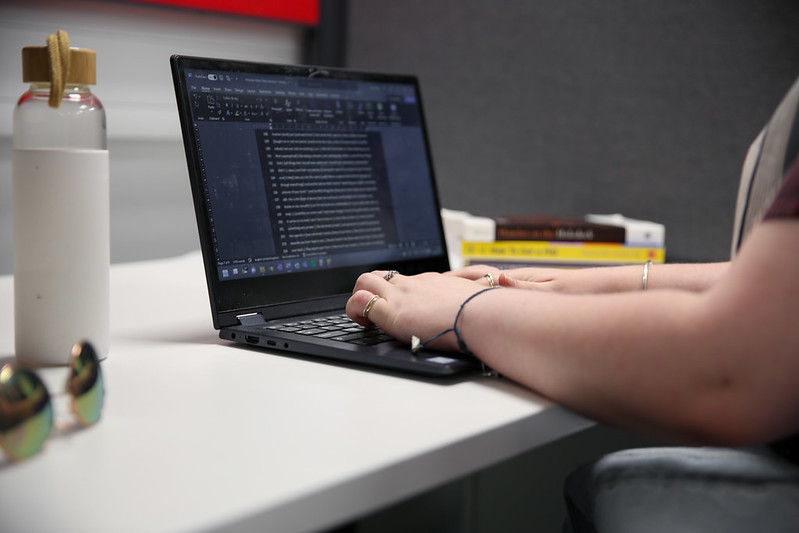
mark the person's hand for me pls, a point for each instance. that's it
(541, 279)
(406, 306)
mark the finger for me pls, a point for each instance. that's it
(491, 279)
(474, 272)
(507, 281)
(357, 304)
(387, 275)
(374, 282)
(372, 311)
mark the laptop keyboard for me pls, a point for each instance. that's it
(338, 328)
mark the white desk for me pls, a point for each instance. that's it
(199, 435)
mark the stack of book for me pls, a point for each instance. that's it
(544, 240)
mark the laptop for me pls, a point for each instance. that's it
(302, 179)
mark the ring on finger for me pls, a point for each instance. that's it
(369, 305)
(390, 274)
(490, 278)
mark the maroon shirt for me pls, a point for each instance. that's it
(786, 204)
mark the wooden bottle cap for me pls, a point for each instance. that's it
(82, 65)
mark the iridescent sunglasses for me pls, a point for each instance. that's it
(26, 410)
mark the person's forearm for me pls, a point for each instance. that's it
(643, 362)
(573, 349)
(691, 277)
(695, 277)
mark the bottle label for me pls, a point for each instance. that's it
(61, 252)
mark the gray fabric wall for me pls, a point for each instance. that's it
(567, 107)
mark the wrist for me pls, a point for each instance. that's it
(418, 344)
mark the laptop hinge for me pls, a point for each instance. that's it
(251, 319)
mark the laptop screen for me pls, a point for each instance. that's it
(299, 170)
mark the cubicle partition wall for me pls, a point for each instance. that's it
(565, 106)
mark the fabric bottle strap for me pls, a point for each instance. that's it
(58, 54)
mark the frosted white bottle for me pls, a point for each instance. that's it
(61, 213)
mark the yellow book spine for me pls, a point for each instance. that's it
(611, 253)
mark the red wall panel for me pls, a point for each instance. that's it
(298, 11)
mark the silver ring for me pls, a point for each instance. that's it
(390, 274)
(490, 279)
(369, 305)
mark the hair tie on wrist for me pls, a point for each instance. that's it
(416, 345)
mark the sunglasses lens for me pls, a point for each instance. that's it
(26, 413)
(85, 384)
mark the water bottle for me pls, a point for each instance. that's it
(60, 176)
